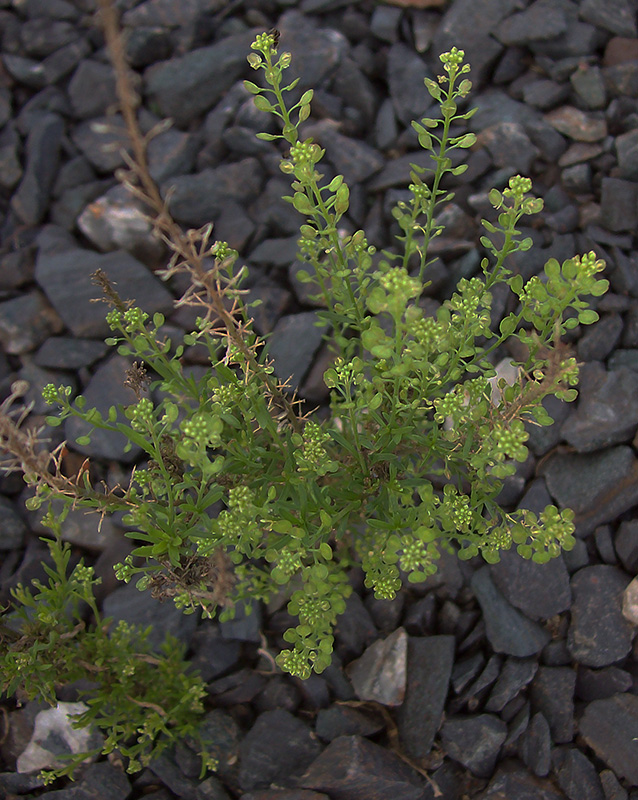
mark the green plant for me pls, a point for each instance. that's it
(141, 701)
(412, 408)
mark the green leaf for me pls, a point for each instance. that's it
(433, 88)
(263, 105)
(306, 97)
(251, 87)
(587, 317)
(301, 203)
(552, 269)
(83, 440)
(267, 137)
(460, 169)
(508, 325)
(53, 422)
(326, 551)
(342, 199)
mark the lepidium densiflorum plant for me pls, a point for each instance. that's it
(412, 457)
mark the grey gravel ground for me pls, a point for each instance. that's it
(506, 681)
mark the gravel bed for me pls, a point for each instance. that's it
(507, 681)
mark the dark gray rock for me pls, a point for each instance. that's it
(619, 205)
(212, 655)
(607, 410)
(31, 198)
(600, 338)
(610, 728)
(465, 670)
(599, 634)
(624, 358)
(139, 608)
(292, 345)
(598, 487)
(507, 629)
(354, 630)
(545, 94)
(10, 167)
(353, 767)
(101, 141)
(356, 161)
(515, 675)
(540, 591)
(627, 150)
(542, 20)
(171, 153)
(578, 125)
(535, 746)
(92, 89)
(469, 27)
(316, 51)
(589, 86)
(406, 72)
(552, 693)
(340, 720)
(245, 625)
(576, 775)
(262, 758)
(64, 60)
(66, 352)
(596, 684)
(26, 321)
(509, 146)
(611, 787)
(13, 526)
(616, 16)
(197, 199)
(182, 88)
(626, 545)
(541, 440)
(512, 780)
(66, 280)
(474, 742)
(105, 389)
(430, 660)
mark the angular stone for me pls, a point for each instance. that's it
(92, 89)
(430, 660)
(197, 199)
(474, 742)
(31, 198)
(353, 159)
(514, 781)
(263, 759)
(627, 149)
(183, 88)
(610, 728)
(617, 16)
(577, 124)
(351, 766)
(552, 693)
(607, 410)
(515, 675)
(576, 775)
(598, 633)
(542, 20)
(380, 674)
(468, 26)
(293, 344)
(619, 205)
(66, 280)
(143, 610)
(25, 322)
(540, 591)
(507, 629)
(535, 746)
(598, 487)
(406, 71)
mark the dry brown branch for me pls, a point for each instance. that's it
(190, 249)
